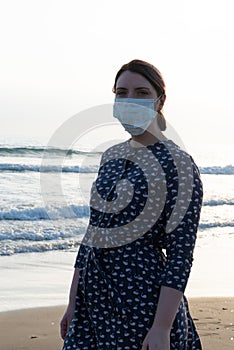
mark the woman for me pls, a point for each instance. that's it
(126, 293)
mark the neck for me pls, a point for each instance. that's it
(149, 137)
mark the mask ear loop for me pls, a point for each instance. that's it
(160, 118)
(157, 99)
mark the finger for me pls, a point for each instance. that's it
(63, 329)
(63, 333)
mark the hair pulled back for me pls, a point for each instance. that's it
(153, 75)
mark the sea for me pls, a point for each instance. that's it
(30, 226)
(26, 225)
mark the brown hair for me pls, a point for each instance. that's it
(153, 75)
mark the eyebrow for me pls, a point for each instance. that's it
(138, 88)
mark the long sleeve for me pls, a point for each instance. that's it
(180, 242)
(80, 258)
(83, 249)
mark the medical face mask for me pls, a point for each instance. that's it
(134, 114)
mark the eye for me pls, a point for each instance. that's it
(120, 93)
(143, 93)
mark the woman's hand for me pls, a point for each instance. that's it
(67, 317)
(65, 322)
(157, 339)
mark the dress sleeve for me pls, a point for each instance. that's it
(180, 241)
(83, 249)
(80, 256)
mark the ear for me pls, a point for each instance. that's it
(158, 106)
(162, 101)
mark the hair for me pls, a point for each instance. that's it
(153, 75)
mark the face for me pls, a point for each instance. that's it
(134, 85)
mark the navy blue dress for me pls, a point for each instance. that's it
(144, 213)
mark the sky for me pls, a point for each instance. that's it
(60, 57)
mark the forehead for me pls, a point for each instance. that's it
(132, 80)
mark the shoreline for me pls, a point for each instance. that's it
(38, 328)
(31, 280)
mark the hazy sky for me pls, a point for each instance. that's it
(60, 57)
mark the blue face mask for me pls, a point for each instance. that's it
(134, 114)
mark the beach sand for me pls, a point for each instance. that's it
(38, 329)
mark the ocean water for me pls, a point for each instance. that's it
(26, 226)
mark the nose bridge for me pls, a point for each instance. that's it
(131, 93)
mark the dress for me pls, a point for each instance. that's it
(119, 285)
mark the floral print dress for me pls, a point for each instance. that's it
(133, 253)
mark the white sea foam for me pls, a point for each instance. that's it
(48, 168)
(216, 224)
(35, 214)
(213, 170)
(214, 203)
(218, 170)
(36, 247)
